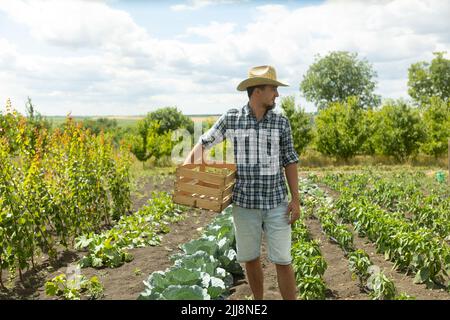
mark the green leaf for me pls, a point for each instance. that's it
(96, 262)
(181, 276)
(82, 242)
(422, 276)
(179, 292)
(51, 289)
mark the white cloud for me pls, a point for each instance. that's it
(112, 65)
(213, 31)
(8, 54)
(74, 23)
(198, 4)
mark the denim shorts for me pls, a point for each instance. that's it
(249, 225)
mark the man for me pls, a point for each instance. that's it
(263, 147)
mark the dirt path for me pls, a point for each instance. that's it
(337, 276)
(126, 282)
(242, 291)
(149, 184)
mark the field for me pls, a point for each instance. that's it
(334, 236)
(122, 121)
(82, 218)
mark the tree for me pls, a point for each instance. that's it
(426, 80)
(101, 124)
(338, 76)
(34, 118)
(37, 127)
(149, 143)
(300, 123)
(9, 127)
(107, 126)
(341, 129)
(139, 145)
(368, 146)
(170, 119)
(399, 131)
(436, 119)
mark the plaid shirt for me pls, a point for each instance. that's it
(261, 150)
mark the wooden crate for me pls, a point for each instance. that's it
(196, 186)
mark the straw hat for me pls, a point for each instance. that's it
(260, 75)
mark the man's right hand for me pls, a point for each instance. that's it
(196, 155)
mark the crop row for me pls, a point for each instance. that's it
(308, 264)
(109, 248)
(54, 187)
(412, 248)
(142, 228)
(203, 271)
(372, 279)
(399, 193)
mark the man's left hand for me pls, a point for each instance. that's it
(293, 210)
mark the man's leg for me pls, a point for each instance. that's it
(255, 278)
(286, 281)
(278, 235)
(248, 230)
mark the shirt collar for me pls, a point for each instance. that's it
(249, 112)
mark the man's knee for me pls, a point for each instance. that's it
(283, 266)
(253, 261)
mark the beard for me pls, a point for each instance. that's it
(271, 106)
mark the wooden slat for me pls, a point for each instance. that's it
(188, 166)
(195, 196)
(226, 203)
(213, 192)
(203, 167)
(187, 194)
(229, 166)
(230, 178)
(204, 176)
(210, 185)
(184, 200)
(187, 180)
(208, 204)
(227, 191)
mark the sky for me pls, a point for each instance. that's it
(117, 57)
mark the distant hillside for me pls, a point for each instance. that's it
(123, 121)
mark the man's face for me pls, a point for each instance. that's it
(268, 96)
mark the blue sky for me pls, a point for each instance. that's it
(112, 57)
(155, 17)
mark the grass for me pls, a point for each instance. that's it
(313, 160)
(138, 173)
(122, 121)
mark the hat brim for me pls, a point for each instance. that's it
(251, 82)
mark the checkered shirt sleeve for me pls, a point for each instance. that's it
(288, 153)
(215, 134)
